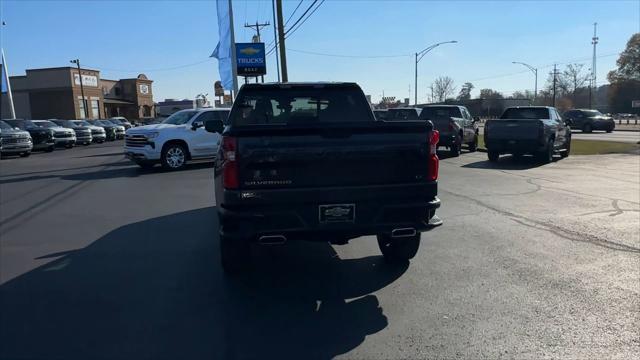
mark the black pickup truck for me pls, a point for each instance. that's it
(535, 130)
(455, 124)
(308, 161)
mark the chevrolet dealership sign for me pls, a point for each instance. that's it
(250, 59)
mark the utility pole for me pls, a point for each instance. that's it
(594, 42)
(84, 103)
(555, 74)
(275, 37)
(257, 27)
(283, 55)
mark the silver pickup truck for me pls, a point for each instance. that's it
(535, 130)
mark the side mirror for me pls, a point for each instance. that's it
(568, 122)
(195, 125)
(214, 126)
(476, 119)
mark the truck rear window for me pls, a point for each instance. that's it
(300, 105)
(438, 113)
(402, 114)
(525, 113)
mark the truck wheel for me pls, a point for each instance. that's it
(493, 156)
(454, 151)
(587, 128)
(50, 148)
(398, 250)
(546, 155)
(234, 254)
(174, 157)
(473, 146)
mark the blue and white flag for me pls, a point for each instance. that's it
(223, 49)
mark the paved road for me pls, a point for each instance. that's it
(99, 260)
(619, 136)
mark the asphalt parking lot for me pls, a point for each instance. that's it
(618, 136)
(99, 259)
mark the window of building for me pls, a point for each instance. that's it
(81, 106)
(95, 109)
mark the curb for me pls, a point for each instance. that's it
(628, 130)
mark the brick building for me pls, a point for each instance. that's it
(55, 93)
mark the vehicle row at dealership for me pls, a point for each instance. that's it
(21, 137)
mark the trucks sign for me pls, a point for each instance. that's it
(250, 59)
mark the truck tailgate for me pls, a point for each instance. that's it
(512, 129)
(361, 155)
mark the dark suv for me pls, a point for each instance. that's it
(588, 120)
(42, 138)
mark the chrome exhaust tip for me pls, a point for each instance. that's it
(272, 240)
(403, 232)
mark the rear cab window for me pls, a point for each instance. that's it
(440, 112)
(402, 114)
(526, 113)
(299, 105)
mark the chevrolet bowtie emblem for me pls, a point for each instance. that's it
(249, 51)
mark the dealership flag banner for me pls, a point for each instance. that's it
(225, 51)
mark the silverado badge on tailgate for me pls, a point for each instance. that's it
(337, 213)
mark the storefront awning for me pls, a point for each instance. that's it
(117, 101)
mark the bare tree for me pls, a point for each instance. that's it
(574, 77)
(443, 87)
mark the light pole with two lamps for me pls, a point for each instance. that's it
(84, 104)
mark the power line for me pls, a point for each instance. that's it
(301, 16)
(294, 11)
(349, 56)
(149, 70)
(293, 30)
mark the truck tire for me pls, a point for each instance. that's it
(454, 151)
(398, 250)
(587, 128)
(546, 155)
(473, 146)
(234, 254)
(493, 156)
(50, 148)
(174, 156)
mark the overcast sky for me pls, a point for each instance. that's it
(170, 41)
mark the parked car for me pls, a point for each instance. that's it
(119, 120)
(403, 113)
(61, 136)
(98, 133)
(308, 161)
(380, 114)
(14, 141)
(588, 120)
(455, 124)
(120, 129)
(180, 138)
(536, 130)
(41, 138)
(110, 129)
(83, 133)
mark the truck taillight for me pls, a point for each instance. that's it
(230, 168)
(433, 162)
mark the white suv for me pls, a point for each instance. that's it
(178, 139)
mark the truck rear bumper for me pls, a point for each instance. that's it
(374, 213)
(514, 146)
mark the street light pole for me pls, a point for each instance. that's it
(419, 56)
(535, 73)
(84, 104)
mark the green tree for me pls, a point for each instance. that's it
(465, 91)
(625, 80)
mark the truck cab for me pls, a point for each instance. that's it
(178, 139)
